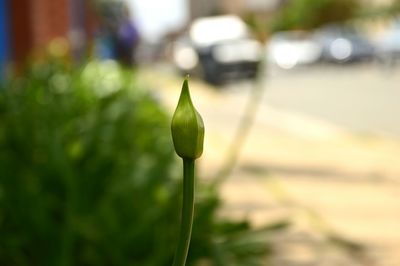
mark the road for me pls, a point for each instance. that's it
(331, 173)
(362, 98)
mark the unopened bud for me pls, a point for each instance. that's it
(187, 127)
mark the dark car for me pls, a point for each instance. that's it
(218, 49)
(343, 44)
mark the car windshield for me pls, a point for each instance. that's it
(292, 36)
(207, 31)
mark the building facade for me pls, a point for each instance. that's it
(27, 26)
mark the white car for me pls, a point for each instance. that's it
(388, 47)
(289, 49)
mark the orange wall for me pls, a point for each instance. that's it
(50, 19)
(34, 23)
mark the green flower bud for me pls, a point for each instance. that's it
(187, 127)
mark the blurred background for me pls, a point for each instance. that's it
(300, 100)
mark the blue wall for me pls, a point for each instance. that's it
(4, 36)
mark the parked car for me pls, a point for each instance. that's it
(343, 44)
(293, 48)
(388, 47)
(217, 49)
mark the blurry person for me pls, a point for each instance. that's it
(118, 36)
(126, 38)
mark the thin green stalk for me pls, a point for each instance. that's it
(187, 213)
(246, 122)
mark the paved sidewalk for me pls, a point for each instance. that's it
(321, 177)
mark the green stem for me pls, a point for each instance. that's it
(246, 122)
(187, 213)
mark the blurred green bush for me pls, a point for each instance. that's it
(311, 14)
(88, 176)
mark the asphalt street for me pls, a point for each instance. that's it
(364, 98)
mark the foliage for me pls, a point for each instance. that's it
(391, 11)
(88, 176)
(310, 14)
